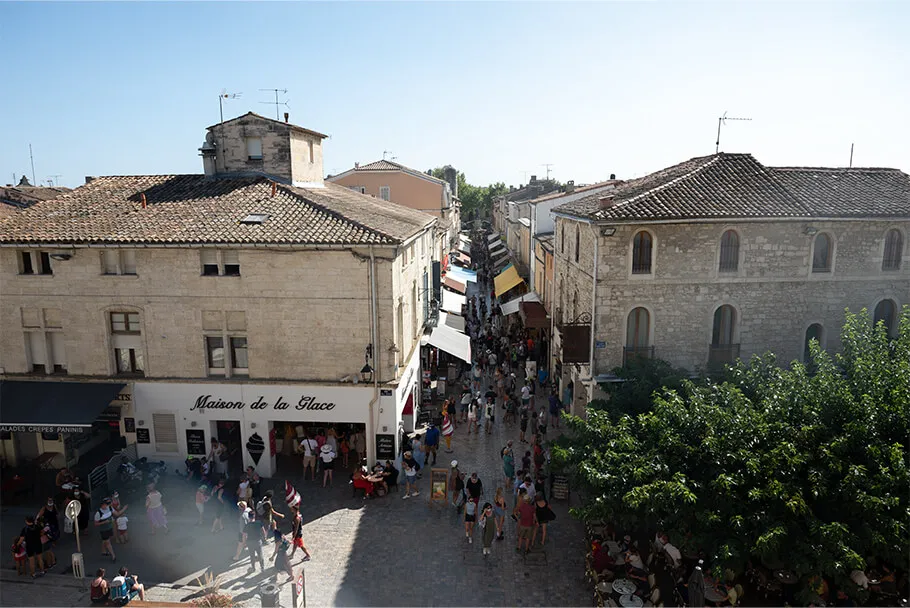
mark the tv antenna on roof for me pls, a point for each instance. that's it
(722, 121)
(55, 178)
(390, 155)
(277, 103)
(547, 165)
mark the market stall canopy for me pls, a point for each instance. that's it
(499, 252)
(464, 240)
(534, 315)
(447, 339)
(506, 280)
(452, 320)
(464, 258)
(452, 302)
(52, 405)
(453, 284)
(462, 275)
(493, 237)
(511, 307)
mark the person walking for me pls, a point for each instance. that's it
(252, 538)
(104, 521)
(242, 520)
(218, 455)
(297, 534)
(555, 408)
(218, 497)
(474, 488)
(470, 517)
(543, 514)
(155, 510)
(120, 535)
(488, 525)
(419, 456)
(457, 485)
(308, 447)
(327, 456)
(508, 464)
(526, 514)
(431, 442)
(499, 512)
(410, 467)
(472, 415)
(51, 517)
(489, 414)
(31, 537)
(448, 429)
(201, 498)
(523, 415)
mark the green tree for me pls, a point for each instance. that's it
(809, 469)
(476, 199)
(641, 378)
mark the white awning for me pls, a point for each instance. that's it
(511, 307)
(495, 253)
(447, 339)
(452, 302)
(493, 237)
(461, 275)
(452, 320)
(464, 240)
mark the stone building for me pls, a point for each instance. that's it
(394, 182)
(232, 304)
(720, 258)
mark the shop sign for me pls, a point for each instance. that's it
(129, 425)
(40, 428)
(385, 392)
(195, 442)
(385, 447)
(143, 436)
(439, 485)
(206, 402)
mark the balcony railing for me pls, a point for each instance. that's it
(631, 353)
(723, 354)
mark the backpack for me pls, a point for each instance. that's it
(260, 506)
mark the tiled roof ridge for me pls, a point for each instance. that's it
(292, 191)
(712, 159)
(377, 165)
(266, 118)
(840, 169)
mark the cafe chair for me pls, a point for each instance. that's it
(739, 592)
(652, 580)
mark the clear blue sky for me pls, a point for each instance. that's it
(492, 88)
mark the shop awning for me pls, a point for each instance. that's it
(452, 302)
(53, 406)
(534, 314)
(493, 237)
(452, 320)
(462, 275)
(408, 406)
(453, 284)
(506, 280)
(511, 307)
(447, 339)
(499, 252)
(464, 258)
(464, 240)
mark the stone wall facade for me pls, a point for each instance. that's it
(773, 290)
(305, 313)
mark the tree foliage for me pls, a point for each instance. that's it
(474, 199)
(808, 467)
(641, 378)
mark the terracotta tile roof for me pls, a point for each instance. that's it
(738, 186)
(23, 196)
(191, 209)
(387, 165)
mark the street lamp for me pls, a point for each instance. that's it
(366, 372)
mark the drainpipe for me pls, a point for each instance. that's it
(594, 298)
(377, 365)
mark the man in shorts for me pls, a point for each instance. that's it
(104, 521)
(308, 447)
(526, 514)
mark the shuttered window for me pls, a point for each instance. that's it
(165, 428)
(729, 252)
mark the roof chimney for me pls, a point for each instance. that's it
(533, 178)
(286, 116)
(143, 199)
(89, 179)
(570, 186)
(356, 165)
(612, 176)
(274, 188)
(606, 201)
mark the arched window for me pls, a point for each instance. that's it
(723, 349)
(821, 255)
(641, 253)
(894, 249)
(815, 332)
(724, 326)
(886, 312)
(577, 243)
(638, 335)
(729, 251)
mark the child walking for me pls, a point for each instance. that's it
(122, 533)
(297, 534)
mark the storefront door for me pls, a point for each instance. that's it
(229, 435)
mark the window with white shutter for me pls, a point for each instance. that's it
(254, 148)
(165, 429)
(57, 356)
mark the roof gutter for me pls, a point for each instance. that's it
(127, 245)
(722, 220)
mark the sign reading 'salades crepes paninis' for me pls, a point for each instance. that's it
(206, 402)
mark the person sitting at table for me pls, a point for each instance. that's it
(364, 482)
(64, 476)
(633, 559)
(885, 581)
(602, 558)
(389, 474)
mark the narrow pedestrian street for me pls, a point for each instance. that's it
(378, 552)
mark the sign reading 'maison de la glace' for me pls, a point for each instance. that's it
(205, 402)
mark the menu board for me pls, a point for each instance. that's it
(195, 442)
(385, 447)
(143, 435)
(129, 425)
(439, 484)
(560, 489)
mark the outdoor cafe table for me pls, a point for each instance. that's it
(786, 577)
(713, 595)
(630, 601)
(624, 586)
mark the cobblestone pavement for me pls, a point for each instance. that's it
(378, 552)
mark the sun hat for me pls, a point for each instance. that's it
(326, 448)
(454, 464)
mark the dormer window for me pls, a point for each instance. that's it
(254, 148)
